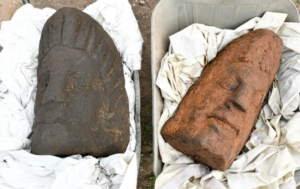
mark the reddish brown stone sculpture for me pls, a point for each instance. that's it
(215, 118)
(81, 102)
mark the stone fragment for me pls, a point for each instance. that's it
(215, 118)
(81, 103)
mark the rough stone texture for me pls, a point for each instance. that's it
(81, 103)
(215, 118)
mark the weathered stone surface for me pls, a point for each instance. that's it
(215, 118)
(81, 103)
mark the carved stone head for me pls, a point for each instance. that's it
(81, 103)
(215, 118)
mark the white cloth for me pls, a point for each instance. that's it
(18, 62)
(20, 169)
(273, 148)
(262, 166)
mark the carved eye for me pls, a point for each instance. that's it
(74, 80)
(230, 84)
(78, 80)
(75, 75)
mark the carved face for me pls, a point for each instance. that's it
(81, 103)
(231, 100)
(233, 90)
(69, 88)
(215, 118)
(229, 106)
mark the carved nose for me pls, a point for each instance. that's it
(241, 99)
(56, 90)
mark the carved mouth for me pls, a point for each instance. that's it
(222, 126)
